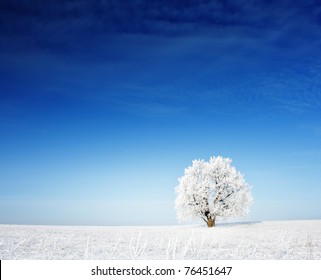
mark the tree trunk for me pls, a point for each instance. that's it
(210, 222)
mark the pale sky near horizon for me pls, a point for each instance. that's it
(103, 105)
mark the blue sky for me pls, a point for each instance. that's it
(104, 103)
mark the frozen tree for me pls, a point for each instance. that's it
(212, 189)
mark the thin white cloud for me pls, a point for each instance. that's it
(237, 38)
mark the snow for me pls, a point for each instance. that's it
(260, 240)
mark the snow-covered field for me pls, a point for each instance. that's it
(261, 240)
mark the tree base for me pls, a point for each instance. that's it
(210, 223)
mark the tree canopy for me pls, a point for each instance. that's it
(211, 189)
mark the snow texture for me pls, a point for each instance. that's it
(212, 189)
(262, 240)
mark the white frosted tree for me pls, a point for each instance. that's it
(211, 189)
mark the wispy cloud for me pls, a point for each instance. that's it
(174, 55)
(50, 23)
